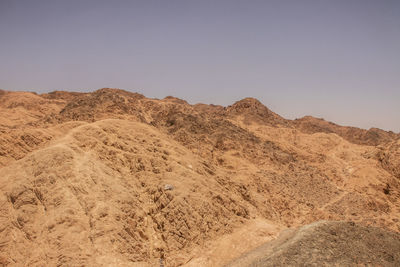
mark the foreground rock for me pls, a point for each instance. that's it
(327, 243)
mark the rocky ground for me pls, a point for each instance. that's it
(327, 243)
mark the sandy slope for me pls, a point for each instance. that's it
(114, 178)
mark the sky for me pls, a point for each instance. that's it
(337, 59)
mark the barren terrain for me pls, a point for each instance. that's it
(112, 178)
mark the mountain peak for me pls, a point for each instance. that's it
(254, 110)
(249, 104)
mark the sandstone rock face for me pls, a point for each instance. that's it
(112, 178)
(390, 158)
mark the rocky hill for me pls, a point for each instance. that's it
(115, 178)
(373, 136)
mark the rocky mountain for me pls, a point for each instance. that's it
(112, 178)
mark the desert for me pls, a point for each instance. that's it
(114, 178)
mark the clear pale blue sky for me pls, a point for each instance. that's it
(337, 59)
